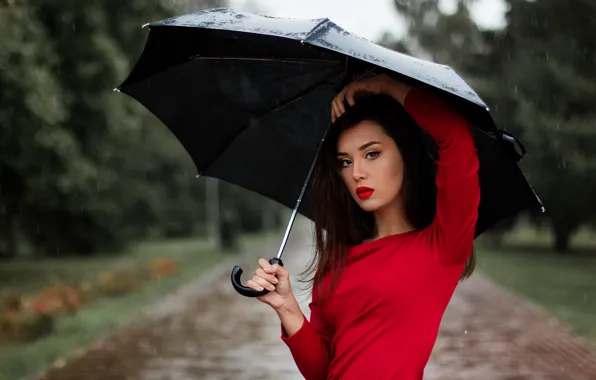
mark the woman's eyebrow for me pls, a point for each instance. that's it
(361, 148)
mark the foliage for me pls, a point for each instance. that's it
(58, 299)
(22, 321)
(118, 282)
(161, 267)
(84, 169)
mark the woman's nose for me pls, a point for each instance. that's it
(358, 173)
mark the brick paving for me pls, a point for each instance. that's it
(209, 332)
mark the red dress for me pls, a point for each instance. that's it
(382, 320)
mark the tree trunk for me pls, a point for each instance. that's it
(10, 234)
(563, 231)
(562, 241)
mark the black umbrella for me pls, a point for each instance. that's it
(249, 98)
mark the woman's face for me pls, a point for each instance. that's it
(371, 165)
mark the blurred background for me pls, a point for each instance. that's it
(101, 211)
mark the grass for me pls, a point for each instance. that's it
(563, 284)
(105, 315)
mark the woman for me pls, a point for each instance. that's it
(393, 239)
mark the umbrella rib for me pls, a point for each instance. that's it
(281, 60)
(281, 105)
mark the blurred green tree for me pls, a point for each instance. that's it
(83, 169)
(39, 157)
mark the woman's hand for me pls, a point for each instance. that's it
(280, 292)
(378, 84)
(276, 279)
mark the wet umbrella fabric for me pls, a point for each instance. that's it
(249, 98)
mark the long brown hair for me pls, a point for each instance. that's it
(339, 221)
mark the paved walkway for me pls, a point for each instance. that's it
(209, 332)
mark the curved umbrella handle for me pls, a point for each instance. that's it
(245, 290)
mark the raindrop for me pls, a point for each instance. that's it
(585, 297)
(466, 332)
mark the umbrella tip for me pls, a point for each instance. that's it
(145, 25)
(117, 89)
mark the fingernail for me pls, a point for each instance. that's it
(260, 289)
(271, 287)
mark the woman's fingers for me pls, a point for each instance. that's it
(254, 285)
(340, 102)
(350, 96)
(335, 110)
(337, 105)
(268, 277)
(264, 277)
(281, 272)
(275, 270)
(262, 283)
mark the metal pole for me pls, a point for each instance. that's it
(299, 201)
(212, 206)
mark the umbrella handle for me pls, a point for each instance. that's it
(245, 290)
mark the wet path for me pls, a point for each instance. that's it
(486, 334)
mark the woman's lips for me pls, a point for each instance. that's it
(364, 192)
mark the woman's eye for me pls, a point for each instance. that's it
(372, 154)
(344, 163)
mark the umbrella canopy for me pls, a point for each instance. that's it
(249, 98)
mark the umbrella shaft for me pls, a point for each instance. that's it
(288, 229)
(304, 186)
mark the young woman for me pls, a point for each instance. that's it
(394, 234)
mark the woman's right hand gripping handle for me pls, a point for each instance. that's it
(276, 279)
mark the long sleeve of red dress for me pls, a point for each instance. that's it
(314, 361)
(382, 319)
(458, 192)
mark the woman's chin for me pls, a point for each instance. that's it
(369, 205)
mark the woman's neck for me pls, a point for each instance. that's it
(391, 220)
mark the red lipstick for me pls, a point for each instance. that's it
(364, 192)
